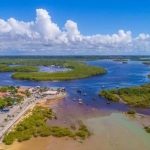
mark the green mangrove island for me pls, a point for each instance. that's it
(79, 70)
(30, 71)
(6, 68)
(138, 96)
(36, 125)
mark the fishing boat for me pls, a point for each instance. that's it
(103, 86)
(74, 99)
(94, 98)
(80, 102)
(108, 102)
(79, 91)
(117, 87)
(85, 94)
(80, 99)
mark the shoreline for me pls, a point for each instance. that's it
(104, 128)
(23, 115)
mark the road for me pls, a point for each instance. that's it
(17, 112)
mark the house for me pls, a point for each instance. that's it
(2, 94)
(22, 90)
(20, 95)
(50, 93)
(31, 89)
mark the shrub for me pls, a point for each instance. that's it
(131, 112)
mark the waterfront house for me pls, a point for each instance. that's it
(2, 94)
(50, 93)
(20, 90)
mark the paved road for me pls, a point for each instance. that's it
(17, 112)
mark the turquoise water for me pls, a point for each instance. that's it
(119, 132)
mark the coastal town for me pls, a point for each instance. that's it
(15, 101)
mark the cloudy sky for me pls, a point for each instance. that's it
(91, 28)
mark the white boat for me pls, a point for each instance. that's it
(80, 99)
(80, 102)
(85, 94)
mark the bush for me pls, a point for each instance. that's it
(138, 96)
(81, 134)
(131, 112)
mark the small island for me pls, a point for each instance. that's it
(137, 96)
(79, 70)
(7, 68)
(28, 69)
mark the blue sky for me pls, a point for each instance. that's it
(92, 17)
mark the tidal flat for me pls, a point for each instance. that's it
(114, 131)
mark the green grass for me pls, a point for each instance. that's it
(79, 70)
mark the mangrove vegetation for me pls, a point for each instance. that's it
(6, 68)
(138, 96)
(79, 70)
(36, 125)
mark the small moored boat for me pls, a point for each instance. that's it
(80, 102)
(85, 94)
(79, 91)
(103, 86)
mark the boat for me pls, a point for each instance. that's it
(108, 102)
(85, 94)
(79, 91)
(117, 87)
(103, 86)
(74, 99)
(80, 102)
(80, 99)
(92, 109)
(63, 88)
(80, 141)
(94, 98)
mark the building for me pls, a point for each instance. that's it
(22, 90)
(50, 93)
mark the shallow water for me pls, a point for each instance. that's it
(113, 132)
(119, 132)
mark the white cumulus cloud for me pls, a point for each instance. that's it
(44, 35)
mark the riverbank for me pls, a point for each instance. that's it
(113, 132)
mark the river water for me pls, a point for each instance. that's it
(123, 75)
